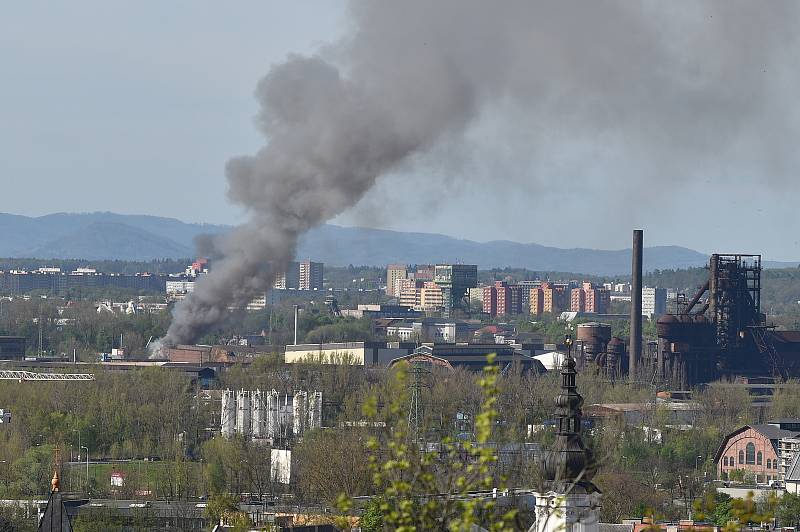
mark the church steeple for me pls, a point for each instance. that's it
(55, 518)
(570, 466)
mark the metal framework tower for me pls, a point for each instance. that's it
(418, 372)
(735, 300)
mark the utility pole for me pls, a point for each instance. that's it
(40, 332)
(87, 469)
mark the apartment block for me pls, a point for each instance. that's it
(502, 299)
(654, 302)
(311, 275)
(589, 298)
(431, 297)
(395, 273)
(556, 297)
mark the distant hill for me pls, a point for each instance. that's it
(104, 235)
(374, 247)
(99, 235)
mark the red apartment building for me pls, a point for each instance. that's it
(502, 299)
(589, 298)
(550, 298)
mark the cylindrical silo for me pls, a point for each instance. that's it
(273, 426)
(243, 413)
(314, 411)
(228, 418)
(299, 405)
(259, 417)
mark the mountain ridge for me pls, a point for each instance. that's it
(107, 235)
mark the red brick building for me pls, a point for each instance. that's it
(753, 449)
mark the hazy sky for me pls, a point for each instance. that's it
(135, 107)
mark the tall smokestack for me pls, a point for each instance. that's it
(635, 352)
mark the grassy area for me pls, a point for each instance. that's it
(140, 478)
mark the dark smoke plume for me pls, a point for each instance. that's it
(676, 84)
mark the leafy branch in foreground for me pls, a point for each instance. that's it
(431, 487)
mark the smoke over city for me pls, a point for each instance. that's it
(682, 87)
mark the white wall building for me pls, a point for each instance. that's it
(180, 287)
(654, 302)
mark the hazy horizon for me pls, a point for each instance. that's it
(136, 109)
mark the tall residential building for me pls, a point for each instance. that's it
(290, 279)
(526, 286)
(311, 275)
(394, 273)
(455, 280)
(424, 273)
(502, 299)
(431, 297)
(654, 302)
(536, 301)
(577, 300)
(407, 292)
(589, 298)
(490, 300)
(556, 297)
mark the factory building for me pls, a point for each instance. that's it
(755, 449)
(269, 415)
(57, 282)
(473, 357)
(355, 353)
(182, 286)
(430, 330)
(12, 347)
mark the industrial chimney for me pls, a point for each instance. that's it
(635, 350)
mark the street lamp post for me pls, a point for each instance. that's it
(79, 442)
(87, 469)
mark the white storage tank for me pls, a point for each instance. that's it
(259, 418)
(228, 418)
(314, 411)
(299, 413)
(273, 425)
(243, 413)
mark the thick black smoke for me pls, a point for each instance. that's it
(677, 84)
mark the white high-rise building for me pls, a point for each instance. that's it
(654, 302)
(311, 275)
